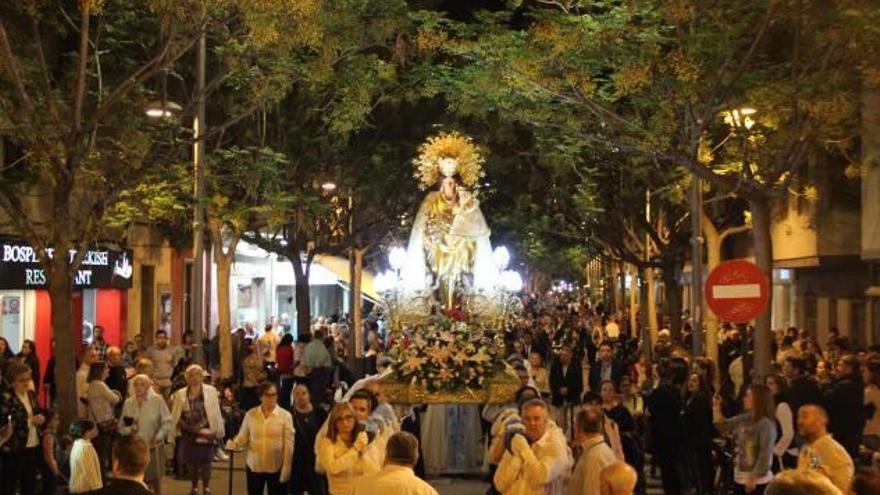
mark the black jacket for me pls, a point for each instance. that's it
(665, 406)
(596, 374)
(844, 401)
(573, 380)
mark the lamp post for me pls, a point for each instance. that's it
(199, 128)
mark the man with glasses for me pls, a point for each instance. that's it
(267, 433)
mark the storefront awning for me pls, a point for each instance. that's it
(340, 267)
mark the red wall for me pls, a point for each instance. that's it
(111, 309)
(110, 314)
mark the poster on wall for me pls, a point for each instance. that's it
(100, 268)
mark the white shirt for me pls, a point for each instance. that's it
(269, 440)
(85, 469)
(33, 438)
(399, 480)
(538, 471)
(344, 465)
(585, 477)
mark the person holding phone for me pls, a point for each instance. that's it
(146, 415)
(21, 451)
(345, 453)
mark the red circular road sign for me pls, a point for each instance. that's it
(737, 291)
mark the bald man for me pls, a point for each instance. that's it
(618, 478)
(822, 452)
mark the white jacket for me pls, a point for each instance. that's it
(179, 403)
(538, 470)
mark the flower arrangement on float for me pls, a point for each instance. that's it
(448, 353)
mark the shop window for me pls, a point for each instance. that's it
(89, 318)
(11, 320)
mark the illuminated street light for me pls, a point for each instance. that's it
(501, 257)
(328, 187)
(511, 281)
(397, 257)
(162, 110)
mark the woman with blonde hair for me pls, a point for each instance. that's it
(196, 418)
(345, 454)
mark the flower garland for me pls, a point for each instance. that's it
(447, 354)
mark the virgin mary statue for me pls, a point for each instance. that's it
(449, 250)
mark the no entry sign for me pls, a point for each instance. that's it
(737, 291)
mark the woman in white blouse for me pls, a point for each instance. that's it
(345, 454)
(102, 401)
(267, 432)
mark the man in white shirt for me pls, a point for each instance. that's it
(595, 453)
(397, 476)
(821, 452)
(535, 464)
(267, 432)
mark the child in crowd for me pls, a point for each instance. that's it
(51, 468)
(85, 469)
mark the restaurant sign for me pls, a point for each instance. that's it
(100, 269)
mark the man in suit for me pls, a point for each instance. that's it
(131, 456)
(566, 385)
(606, 368)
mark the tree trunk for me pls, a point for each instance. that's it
(645, 333)
(60, 295)
(673, 297)
(302, 296)
(652, 306)
(633, 281)
(224, 312)
(356, 265)
(713, 259)
(763, 241)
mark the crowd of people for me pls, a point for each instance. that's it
(600, 411)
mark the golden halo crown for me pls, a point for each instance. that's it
(446, 154)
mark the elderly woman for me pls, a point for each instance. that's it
(102, 402)
(196, 418)
(345, 454)
(21, 452)
(146, 415)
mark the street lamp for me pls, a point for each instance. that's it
(397, 258)
(328, 187)
(162, 109)
(501, 257)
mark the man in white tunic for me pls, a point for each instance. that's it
(536, 463)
